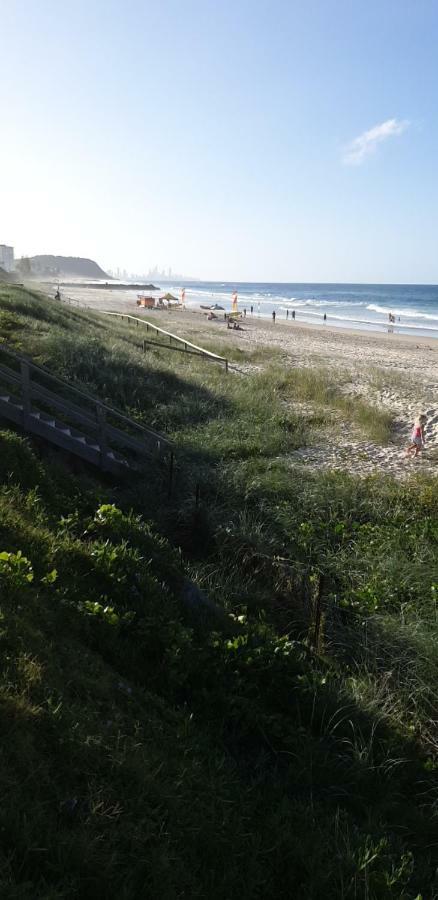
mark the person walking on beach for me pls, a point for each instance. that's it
(273, 316)
(287, 314)
(325, 317)
(418, 439)
(252, 310)
(293, 314)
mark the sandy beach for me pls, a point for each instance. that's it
(396, 372)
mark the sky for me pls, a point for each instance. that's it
(246, 140)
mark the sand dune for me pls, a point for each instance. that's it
(397, 373)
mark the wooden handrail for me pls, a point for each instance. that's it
(22, 358)
(200, 350)
(97, 418)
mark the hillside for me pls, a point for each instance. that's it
(72, 266)
(280, 742)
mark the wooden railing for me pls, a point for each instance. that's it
(179, 343)
(35, 397)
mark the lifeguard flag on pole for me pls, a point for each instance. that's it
(234, 303)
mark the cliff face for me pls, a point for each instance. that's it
(74, 266)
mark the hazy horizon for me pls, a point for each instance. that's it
(287, 144)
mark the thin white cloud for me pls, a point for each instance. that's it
(363, 146)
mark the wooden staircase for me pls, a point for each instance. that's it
(51, 408)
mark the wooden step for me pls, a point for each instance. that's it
(96, 420)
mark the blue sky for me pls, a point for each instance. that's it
(218, 138)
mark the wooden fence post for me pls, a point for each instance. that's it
(318, 612)
(101, 419)
(170, 475)
(25, 386)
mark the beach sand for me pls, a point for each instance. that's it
(395, 372)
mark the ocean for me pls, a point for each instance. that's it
(358, 306)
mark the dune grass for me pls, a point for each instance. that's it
(106, 354)
(284, 748)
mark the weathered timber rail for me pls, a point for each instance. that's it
(179, 342)
(40, 403)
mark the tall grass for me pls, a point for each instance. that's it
(323, 387)
(152, 751)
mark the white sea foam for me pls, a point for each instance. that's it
(348, 308)
(410, 313)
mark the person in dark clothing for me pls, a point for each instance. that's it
(252, 310)
(273, 316)
(293, 313)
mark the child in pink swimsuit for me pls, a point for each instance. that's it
(417, 437)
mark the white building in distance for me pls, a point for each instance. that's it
(6, 258)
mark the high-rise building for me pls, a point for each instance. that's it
(6, 258)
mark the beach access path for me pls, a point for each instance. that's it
(395, 372)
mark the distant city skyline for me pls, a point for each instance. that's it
(164, 274)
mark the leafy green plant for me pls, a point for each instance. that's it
(145, 739)
(16, 572)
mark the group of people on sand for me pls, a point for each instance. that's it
(274, 315)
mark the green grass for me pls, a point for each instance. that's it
(152, 751)
(324, 388)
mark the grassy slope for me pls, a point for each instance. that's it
(149, 755)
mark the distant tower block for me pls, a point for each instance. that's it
(7, 258)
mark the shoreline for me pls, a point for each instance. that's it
(352, 322)
(97, 299)
(392, 372)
